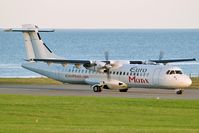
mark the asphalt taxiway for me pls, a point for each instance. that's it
(85, 90)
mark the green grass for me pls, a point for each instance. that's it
(40, 114)
(28, 81)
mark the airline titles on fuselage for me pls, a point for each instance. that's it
(136, 75)
(76, 76)
(138, 72)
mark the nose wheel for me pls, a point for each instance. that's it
(179, 91)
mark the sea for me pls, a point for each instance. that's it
(122, 44)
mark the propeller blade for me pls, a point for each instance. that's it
(161, 55)
(95, 65)
(108, 74)
(106, 55)
(107, 65)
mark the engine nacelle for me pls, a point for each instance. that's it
(100, 66)
(113, 84)
(95, 66)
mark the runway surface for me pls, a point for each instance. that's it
(85, 90)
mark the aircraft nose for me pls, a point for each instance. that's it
(187, 81)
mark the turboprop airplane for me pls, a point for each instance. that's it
(105, 74)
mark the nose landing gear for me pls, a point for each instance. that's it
(179, 91)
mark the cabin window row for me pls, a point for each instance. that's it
(80, 71)
(128, 73)
(111, 72)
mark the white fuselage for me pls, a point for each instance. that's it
(108, 74)
(133, 75)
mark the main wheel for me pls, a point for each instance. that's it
(123, 90)
(179, 91)
(97, 88)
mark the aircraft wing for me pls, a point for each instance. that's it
(79, 62)
(64, 61)
(172, 60)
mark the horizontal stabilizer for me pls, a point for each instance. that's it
(28, 30)
(35, 47)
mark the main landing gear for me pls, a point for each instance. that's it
(179, 91)
(123, 90)
(97, 88)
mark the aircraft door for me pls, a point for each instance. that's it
(156, 76)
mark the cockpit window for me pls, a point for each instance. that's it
(170, 72)
(178, 72)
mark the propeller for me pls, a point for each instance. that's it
(103, 66)
(106, 55)
(161, 55)
(107, 66)
(155, 62)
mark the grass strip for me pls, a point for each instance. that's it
(29, 81)
(38, 114)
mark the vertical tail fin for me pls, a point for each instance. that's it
(35, 47)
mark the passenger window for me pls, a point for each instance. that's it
(117, 73)
(120, 73)
(123, 73)
(127, 73)
(113, 72)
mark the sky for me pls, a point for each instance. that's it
(100, 13)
